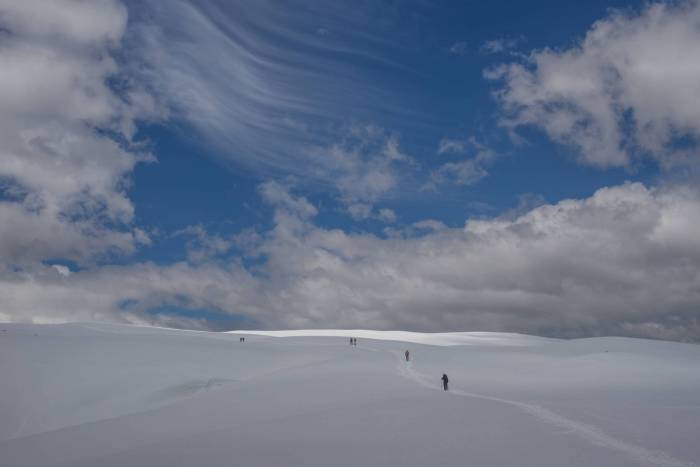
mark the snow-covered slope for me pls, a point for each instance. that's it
(435, 338)
(108, 395)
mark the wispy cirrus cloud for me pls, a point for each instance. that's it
(266, 83)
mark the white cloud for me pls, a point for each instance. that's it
(452, 146)
(501, 45)
(630, 88)
(76, 21)
(260, 88)
(466, 172)
(278, 195)
(459, 48)
(360, 211)
(463, 171)
(365, 166)
(62, 270)
(622, 261)
(66, 180)
(387, 215)
(203, 246)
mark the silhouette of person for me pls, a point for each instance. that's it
(407, 355)
(445, 379)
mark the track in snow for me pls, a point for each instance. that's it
(591, 433)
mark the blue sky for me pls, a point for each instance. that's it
(420, 165)
(437, 78)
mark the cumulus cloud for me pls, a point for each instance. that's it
(622, 261)
(63, 179)
(629, 89)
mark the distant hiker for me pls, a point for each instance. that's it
(351, 343)
(445, 379)
(241, 339)
(407, 355)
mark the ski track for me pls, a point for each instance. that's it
(591, 433)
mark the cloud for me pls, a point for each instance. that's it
(203, 246)
(496, 46)
(459, 48)
(628, 90)
(460, 173)
(387, 215)
(261, 83)
(623, 261)
(365, 165)
(278, 195)
(452, 146)
(360, 211)
(62, 270)
(464, 171)
(67, 136)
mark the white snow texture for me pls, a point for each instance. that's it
(111, 395)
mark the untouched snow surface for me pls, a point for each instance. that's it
(109, 395)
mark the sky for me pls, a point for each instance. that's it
(419, 165)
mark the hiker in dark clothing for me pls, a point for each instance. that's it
(445, 379)
(407, 355)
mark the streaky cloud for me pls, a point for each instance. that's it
(257, 82)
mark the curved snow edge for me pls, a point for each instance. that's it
(437, 338)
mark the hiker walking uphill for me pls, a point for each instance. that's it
(406, 355)
(445, 379)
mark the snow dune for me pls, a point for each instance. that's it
(110, 395)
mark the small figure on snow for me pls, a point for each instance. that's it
(406, 355)
(351, 342)
(241, 339)
(445, 379)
